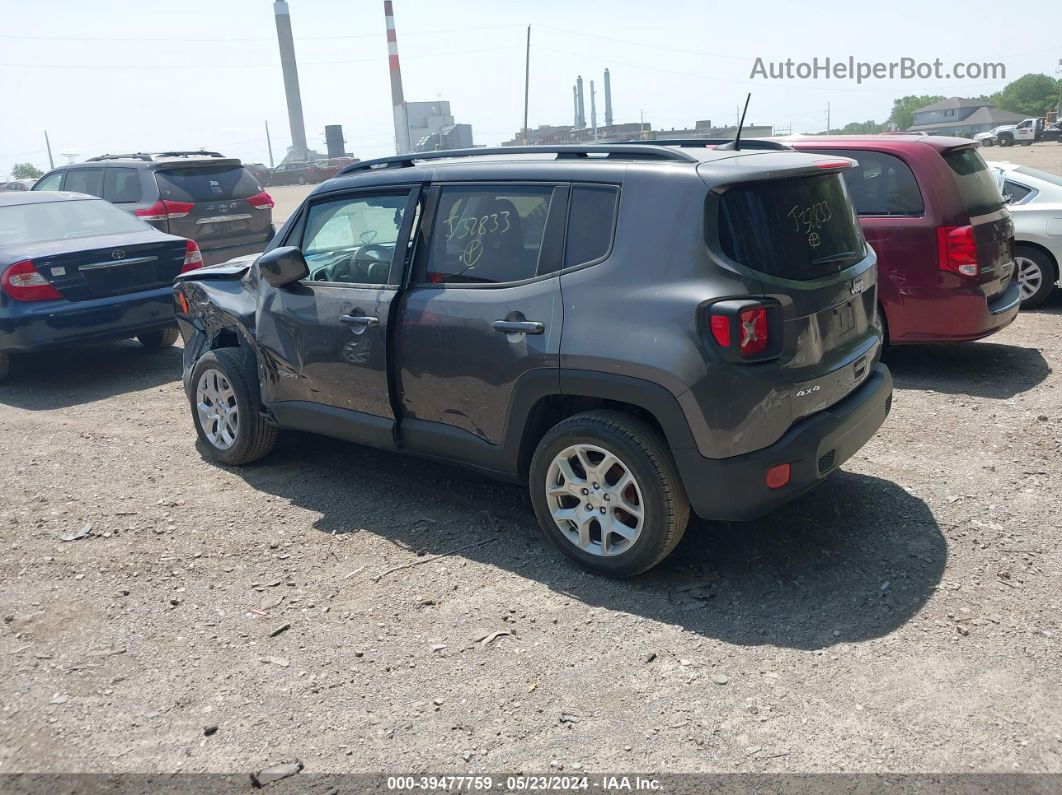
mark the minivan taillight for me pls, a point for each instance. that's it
(164, 210)
(743, 329)
(957, 250)
(192, 257)
(23, 282)
(261, 201)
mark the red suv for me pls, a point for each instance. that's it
(933, 213)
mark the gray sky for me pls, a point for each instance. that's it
(112, 75)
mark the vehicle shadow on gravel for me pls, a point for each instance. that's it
(58, 379)
(851, 561)
(979, 369)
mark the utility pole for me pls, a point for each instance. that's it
(269, 143)
(827, 118)
(641, 123)
(527, 80)
(593, 111)
(47, 143)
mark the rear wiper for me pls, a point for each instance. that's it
(833, 258)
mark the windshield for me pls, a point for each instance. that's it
(62, 220)
(797, 228)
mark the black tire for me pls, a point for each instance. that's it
(158, 340)
(254, 437)
(5, 366)
(1047, 270)
(645, 454)
(300, 180)
(1005, 140)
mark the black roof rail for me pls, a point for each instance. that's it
(634, 151)
(720, 143)
(150, 156)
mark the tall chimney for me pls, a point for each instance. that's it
(593, 110)
(608, 100)
(575, 103)
(291, 79)
(398, 101)
(582, 107)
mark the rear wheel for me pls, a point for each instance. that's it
(1036, 276)
(225, 411)
(607, 493)
(157, 340)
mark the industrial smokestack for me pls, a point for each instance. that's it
(608, 100)
(291, 79)
(575, 104)
(398, 101)
(593, 110)
(581, 116)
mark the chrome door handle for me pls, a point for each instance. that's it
(519, 326)
(358, 320)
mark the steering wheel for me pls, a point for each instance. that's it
(373, 262)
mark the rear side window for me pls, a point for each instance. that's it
(1016, 192)
(882, 184)
(85, 180)
(591, 220)
(122, 185)
(488, 234)
(799, 228)
(206, 183)
(50, 182)
(978, 189)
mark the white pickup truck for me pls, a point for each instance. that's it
(1024, 132)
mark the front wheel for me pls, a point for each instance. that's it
(225, 410)
(1005, 140)
(157, 340)
(607, 493)
(1036, 276)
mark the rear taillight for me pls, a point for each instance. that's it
(164, 210)
(957, 250)
(743, 329)
(22, 282)
(192, 257)
(262, 201)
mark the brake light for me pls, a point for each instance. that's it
(957, 250)
(753, 331)
(720, 325)
(23, 282)
(192, 257)
(164, 210)
(826, 164)
(262, 201)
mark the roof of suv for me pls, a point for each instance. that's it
(880, 142)
(134, 159)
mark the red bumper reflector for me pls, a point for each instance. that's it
(778, 476)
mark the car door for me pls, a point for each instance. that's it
(325, 338)
(482, 311)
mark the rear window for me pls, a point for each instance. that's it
(206, 183)
(977, 186)
(881, 184)
(38, 222)
(795, 228)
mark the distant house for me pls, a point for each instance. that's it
(963, 117)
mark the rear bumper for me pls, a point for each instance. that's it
(949, 315)
(734, 489)
(218, 254)
(37, 326)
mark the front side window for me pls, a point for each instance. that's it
(352, 240)
(881, 184)
(50, 182)
(488, 234)
(85, 180)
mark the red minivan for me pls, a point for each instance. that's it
(945, 242)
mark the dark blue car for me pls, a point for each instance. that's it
(75, 268)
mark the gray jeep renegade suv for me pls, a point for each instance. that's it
(635, 330)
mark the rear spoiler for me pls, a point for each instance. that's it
(721, 174)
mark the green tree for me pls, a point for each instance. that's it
(26, 171)
(903, 109)
(862, 128)
(1030, 95)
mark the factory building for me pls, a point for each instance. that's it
(432, 126)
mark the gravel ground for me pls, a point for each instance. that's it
(902, 617)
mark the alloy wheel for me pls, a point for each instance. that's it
(595, 500)
(1030, 277)
(219, 416)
